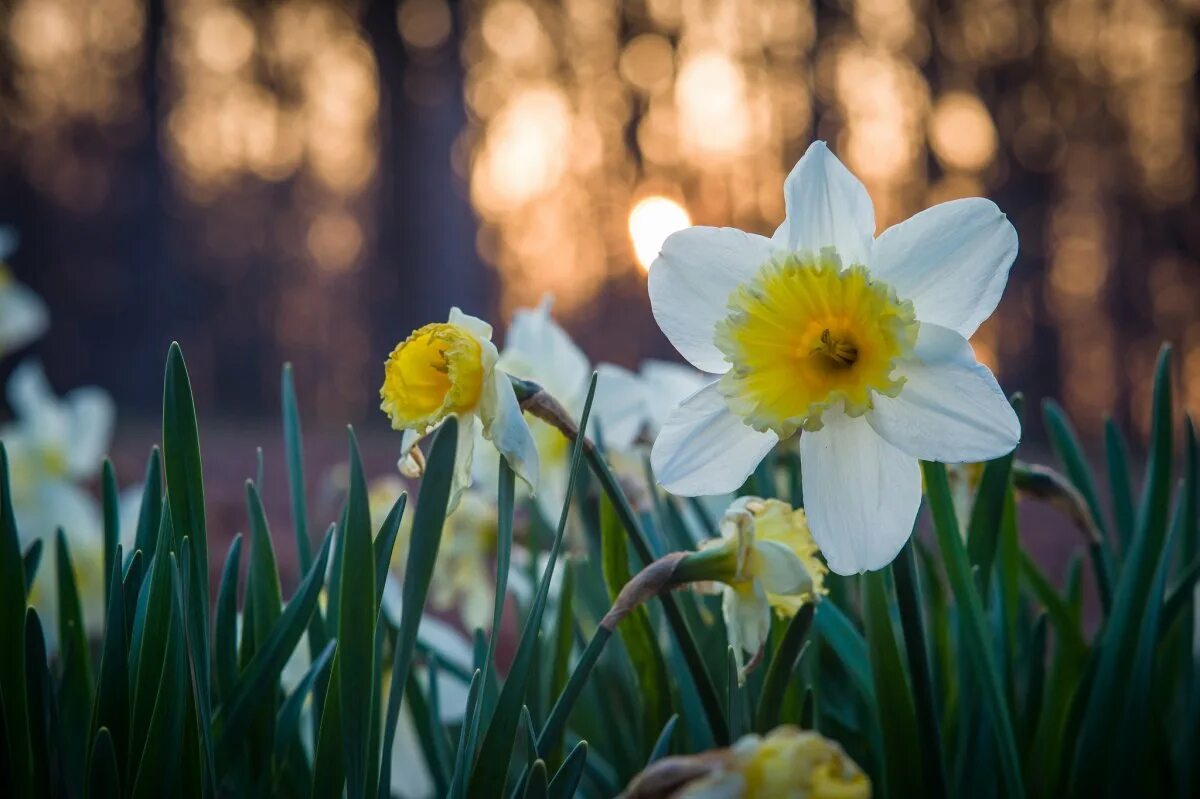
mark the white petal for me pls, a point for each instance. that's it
(861, 494)
(747, 617)
(619, 407)
(538, 349)
(780, 571)
(951, 260)
(951, 409)
(666, 384)
(826, 207)
(90, 417)
(504, 425)
(23, 317)
(468, 431)
(472, 324)
(705, 449)
(690, 283)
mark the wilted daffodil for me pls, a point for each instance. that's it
(450, 368)
(788, 763)
(764, 559)
(859, 342)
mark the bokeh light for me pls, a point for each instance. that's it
(651, 220)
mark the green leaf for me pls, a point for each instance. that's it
(159, 761)
(977, 641)
(225, 655)
(536, 787)
(491, 771)
(293, 445)
(916, 648)
(31, 560)
(262, 579)
(356, 628)
(465, 752)
(566, 779)
(427, 720)
(849, 646)
(181, 457)
(12, 631)
(1066, 445)
(1116, 455)
(983, 527)
(200, 711)
(262, 672)
(735, 703)
(783, 664)
(41, 700)
(110, 496)
(556, 724)
(428, 521)
(564, 639)
(504, 542)
(385, 545)
(1114, 658)
(287, 722)
(150, 512)
(895, 711)
(75, 690)
(329, 770)
(662, 746)
(104, 780)
(111, 712)
(151, 635)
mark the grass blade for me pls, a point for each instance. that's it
(13, 695)
(30, 561)
(75, 690)
(225, 656)
(104, 780)
(111, 505)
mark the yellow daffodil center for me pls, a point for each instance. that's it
(789, 762)
(805, 335)
(436, 371)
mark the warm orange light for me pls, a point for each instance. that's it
(650, 222)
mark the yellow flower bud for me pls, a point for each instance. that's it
(437, 371)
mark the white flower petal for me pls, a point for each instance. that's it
(619, 407)
(690, 283)
(747, 617)
(861, 494)
(705, 449)
(951, 261)
(504, 425)
(537, 348)
(90, 417)
(826, 207)
(666, 384)
(951, 409)
(468, 431)
(472, 324)
(780, 571)
(23, 317)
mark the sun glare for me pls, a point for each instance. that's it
(650, 222)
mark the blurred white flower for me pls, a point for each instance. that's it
(634, 407)
(23, 315)
(54, 446)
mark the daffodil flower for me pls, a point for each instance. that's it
(23, 315)
(450, 368)
(858, 342)
(54, 446)
(787, 763)
(764, 559)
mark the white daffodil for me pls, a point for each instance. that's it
(764, 559)
(53, 446)
(537, 348)
(450, 368)
(637, 406)
(23, 315)
(859, 342)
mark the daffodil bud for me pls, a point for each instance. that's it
(788, 763)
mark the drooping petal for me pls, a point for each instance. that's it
(747, 616)
(468, 431)
(826, 207)
(90, 416)
(619, 406)
(779, 569)
(690, 283)
(537, 348)
(504, 425)
(861, 494)
(951, 409)
(951, 261)
(705, 449)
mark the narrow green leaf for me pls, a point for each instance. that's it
(896, 710)
(293, 445)
(431, 735)
(31, 560)
(536, 787)
(849, 646)
(225, 656)
(1116, 456)
(329, 770)
(262, 579)
(465, 752)
(104, 780)
(428, 521)
(564, 638)
(385, 545)
(12, 632)
(662, 746)
(504, 541)
(112, 691)
(75, 690)
(151, 635)
(287, 722)
(135, 574)
(181, 457)
(735, 703)
(491, 770)
(974, 624)
(40, 698)
(254, 687)
(110, 496)
(556, 724)
(779, 673)
(150, 511)
(916, 648)
(566, 780)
